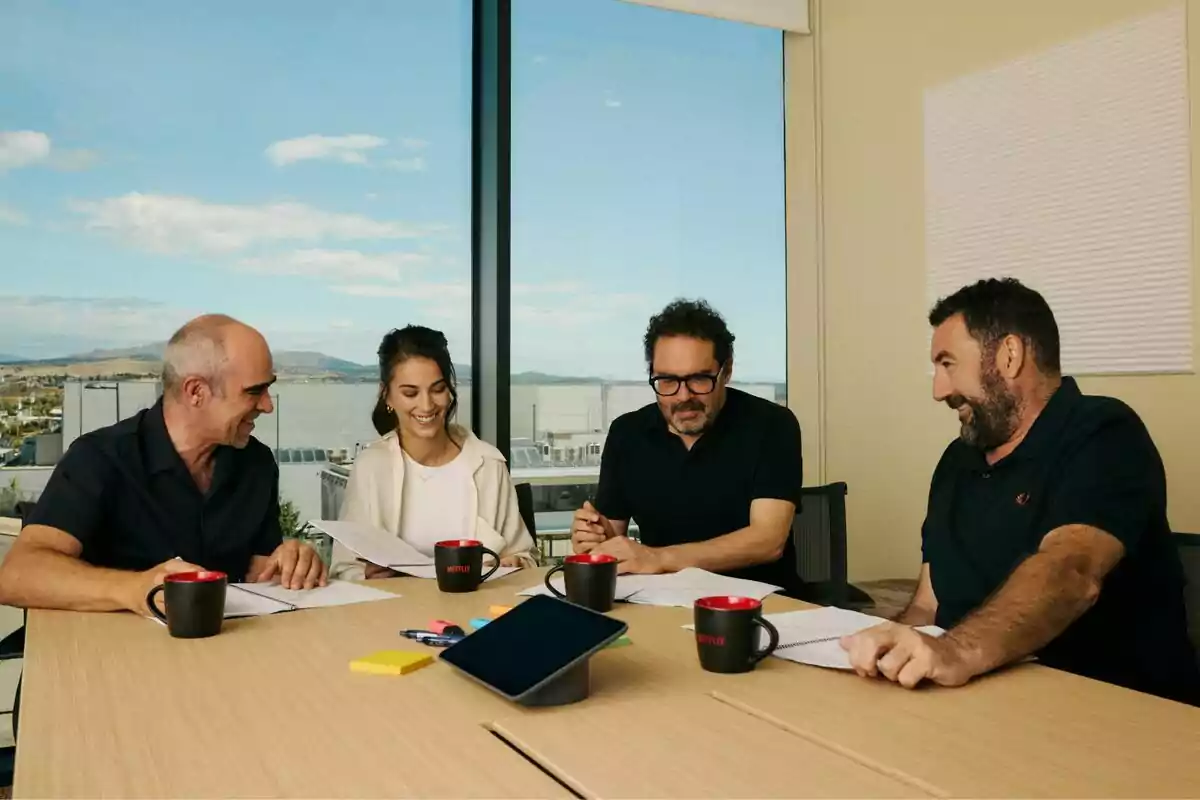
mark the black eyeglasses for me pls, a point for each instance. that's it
(699, 383)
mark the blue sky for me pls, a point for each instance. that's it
(305, 166)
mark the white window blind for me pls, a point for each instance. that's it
(1069, 170)
(784, 15)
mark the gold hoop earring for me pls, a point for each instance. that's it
(390, 410)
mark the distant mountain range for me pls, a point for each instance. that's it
(291, 363)
(287, 362)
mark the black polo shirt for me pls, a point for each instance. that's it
(126, 495)
(678, 496)
(1088, 461)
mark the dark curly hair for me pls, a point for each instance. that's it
(999, 307)
(413, 341)
(694, 318)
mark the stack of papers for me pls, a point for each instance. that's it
(811, 637)
(373, 544)
(681, 589)
(380, 547)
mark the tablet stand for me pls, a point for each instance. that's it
(570, 687)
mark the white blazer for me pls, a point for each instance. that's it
(373, 497)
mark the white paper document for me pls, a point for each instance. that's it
(680, 589)
(811, 637)
(373, 544)
(685, 587)
(431, 571)
(255, 599)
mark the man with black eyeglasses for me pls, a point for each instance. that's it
(711, 474)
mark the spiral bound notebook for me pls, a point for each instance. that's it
(259, 599)
(811, 637)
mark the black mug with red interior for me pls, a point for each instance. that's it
(591, 580)
(459, 564)
(195, 603)
(727, 633)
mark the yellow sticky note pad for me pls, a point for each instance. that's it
(496, 611)
(391, 662)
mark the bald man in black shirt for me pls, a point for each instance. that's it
(178, 487)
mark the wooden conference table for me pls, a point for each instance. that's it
(113, 707)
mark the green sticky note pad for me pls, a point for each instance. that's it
(391, 662)
(621, 641)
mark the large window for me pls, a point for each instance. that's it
(302, 166)
(306, 167)
(647, 164)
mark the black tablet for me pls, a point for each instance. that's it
(524, 649)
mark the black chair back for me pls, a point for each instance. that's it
(24, 508)
(525, 507)
(819, 535)
(1189, 554)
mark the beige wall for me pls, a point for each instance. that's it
(858, 341)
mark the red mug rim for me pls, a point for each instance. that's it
(200, 576)
(590, 558)
(460, 543)
(729, 603)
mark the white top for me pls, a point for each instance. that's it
(376, 496)
(436, 503)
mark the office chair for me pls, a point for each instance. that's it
(525, 507)
(1189, 555)
(819, 535)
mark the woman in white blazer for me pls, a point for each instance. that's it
(427, 480)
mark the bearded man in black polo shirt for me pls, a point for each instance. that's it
(175, 488)
(1046, 532)
(712, 475)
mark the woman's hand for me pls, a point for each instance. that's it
(512, 561)
(373, 571)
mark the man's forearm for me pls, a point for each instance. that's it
(916, 615)
(1043, 596)
(742, 548)
(48, 579)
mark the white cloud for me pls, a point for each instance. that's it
(174, 224)
(45, 326)
(336, 264)
(612, 102)
(12, 216)
(540, 307)
(349, 149)
(413, 143)
(74, 160)
(22, 148)
(409, 291)
(415, 164)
